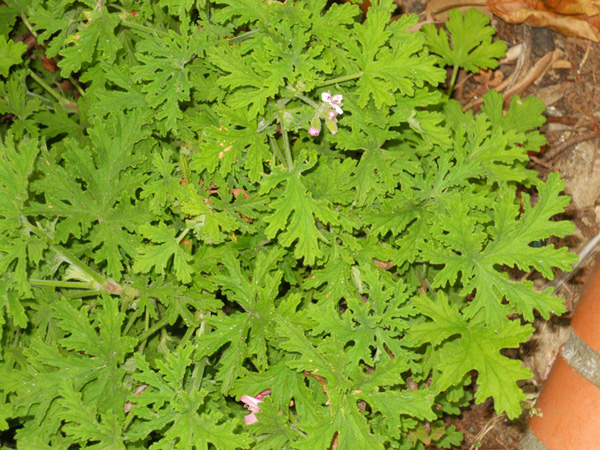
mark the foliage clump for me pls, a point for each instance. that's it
(178, 231)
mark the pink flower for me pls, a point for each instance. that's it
(335, 101)
(251, 403)
(313, 131)
(337, 109)
(332, 115)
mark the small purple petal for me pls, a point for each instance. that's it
(326, 97)
(337, 99)
(313, 131)
(332, 115)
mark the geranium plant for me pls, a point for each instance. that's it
(208, 206)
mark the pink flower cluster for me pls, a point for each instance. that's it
(329, 110)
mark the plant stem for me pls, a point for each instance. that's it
(75, 83)
(452, 80)
(81, 294)
(186, 337)
(41, 44)
(182, 235)
(59, 98)
(199, 366)
(307, 100)
(241, 37)
(29, 27)
(128, 420)
(139, 26)
(127, 296)
(341, 79)
(276, 149)
(288, 150)
(153, 329)
(65, 254)
(131, 321)
(61, 284)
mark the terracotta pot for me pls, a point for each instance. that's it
(570, 399)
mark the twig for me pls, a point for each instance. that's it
(551, 153)
(540, 162)
(585, 56)
(538, 70)
(486, 429)
(584, 254)
(523, 60)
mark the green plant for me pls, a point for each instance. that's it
(178, 232)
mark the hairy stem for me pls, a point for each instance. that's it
(97, 283)
(307, 100)
(29, 27)
(62, 284)
(452, 80)
(182, 235)
(59, 98)
(199, 366)
(153, 329)
(276, 149)
(343, 79)
(81, 294)
(288, 150)
(140, 27)
(136, 314)
(65, 254)
(242, 37)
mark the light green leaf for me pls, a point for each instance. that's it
(472, 47)
(10, 54)
(158, 256)
(460, 346)
(295, 213)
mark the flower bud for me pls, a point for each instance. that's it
(315, 126)
(331, 126)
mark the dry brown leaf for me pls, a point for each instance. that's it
(569, 17)
(489, 78)
(562, 64)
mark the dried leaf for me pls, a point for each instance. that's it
(569, 17)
